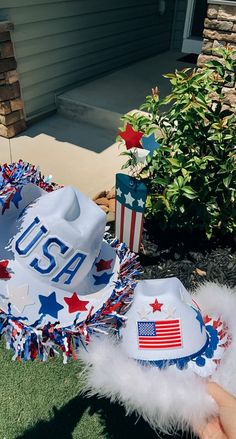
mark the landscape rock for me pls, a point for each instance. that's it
(102, 201)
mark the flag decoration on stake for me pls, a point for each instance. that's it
(131, 197)
(150, 144)
(163, 334)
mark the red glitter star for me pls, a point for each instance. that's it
(103, 265)
(75, 304)
(4, 274)
(156, 306)
(131, 137)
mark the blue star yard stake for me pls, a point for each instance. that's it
(49, 305)
(131, 195)
(150, 143)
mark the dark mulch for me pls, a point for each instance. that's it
(168, 254)
(192, 259)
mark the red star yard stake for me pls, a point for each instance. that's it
(156, 306)
(4, 274)
(131, 137)
(75, 304)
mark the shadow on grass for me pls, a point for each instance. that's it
(115, 424)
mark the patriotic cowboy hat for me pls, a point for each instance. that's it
(171, 344)
(59, 279)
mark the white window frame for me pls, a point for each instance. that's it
(190, 45)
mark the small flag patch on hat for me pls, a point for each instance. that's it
(163, 334)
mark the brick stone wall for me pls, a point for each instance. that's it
(11, 105)
(220, 29)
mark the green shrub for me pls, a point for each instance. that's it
(191, 176)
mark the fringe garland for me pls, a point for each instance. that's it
(30, 341)
(16, 175)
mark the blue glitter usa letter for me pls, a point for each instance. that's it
(76, 260)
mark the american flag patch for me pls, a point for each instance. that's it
(162, 334)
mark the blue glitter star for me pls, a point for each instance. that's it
(199, 318)
(17, 198)
(103, 279)
(49, 305)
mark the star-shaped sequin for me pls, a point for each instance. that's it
(156, 306)
(103, 279)
(131, 137)
(19, 297)
(103, 264)
(199, 318)
(4, 274)
(49, 305)
(75, 304)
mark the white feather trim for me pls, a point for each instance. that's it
(167, 399)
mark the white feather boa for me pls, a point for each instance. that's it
(167, 399)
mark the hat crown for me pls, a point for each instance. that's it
(59, 237)
(163, 323)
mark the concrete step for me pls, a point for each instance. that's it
(79, 111)
(102, 101)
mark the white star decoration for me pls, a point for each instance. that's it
(140, 203)
(143, 313)
(129, 199)
(170, 312)
(19, 297)
(118, 192)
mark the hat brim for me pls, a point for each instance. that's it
(167, 398)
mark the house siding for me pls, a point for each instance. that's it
(59, 43)
(178, 26)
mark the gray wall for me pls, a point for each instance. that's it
(62, 42)
(178, 27)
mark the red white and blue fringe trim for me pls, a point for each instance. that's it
(31, 341)
(14, 176)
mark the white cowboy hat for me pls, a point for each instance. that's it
(171, 343)
(57, 273)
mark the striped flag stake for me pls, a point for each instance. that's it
(131, 197)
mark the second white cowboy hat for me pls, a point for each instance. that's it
(171, 343)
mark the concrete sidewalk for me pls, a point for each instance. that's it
(75, 154)
(82, 154)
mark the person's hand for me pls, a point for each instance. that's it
(224, 426)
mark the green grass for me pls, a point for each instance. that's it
(42, 400)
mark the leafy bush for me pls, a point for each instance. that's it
(191, 175)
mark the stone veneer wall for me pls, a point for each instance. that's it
(220, 29)
(11, 105)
